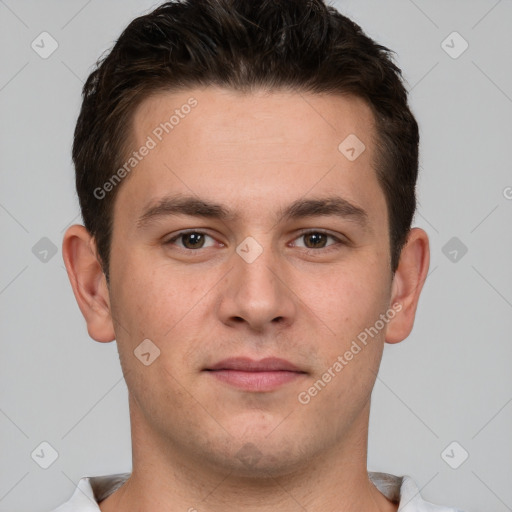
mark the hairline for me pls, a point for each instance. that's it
(128, 130)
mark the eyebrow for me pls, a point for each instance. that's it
(299, 209)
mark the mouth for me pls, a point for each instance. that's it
(261, 376)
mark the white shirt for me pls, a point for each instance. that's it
(93, 489)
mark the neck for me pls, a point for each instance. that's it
(166, 478)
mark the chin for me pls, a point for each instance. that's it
(258, 458)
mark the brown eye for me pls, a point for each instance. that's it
(193, 240)
(190, 240)
(315, 240)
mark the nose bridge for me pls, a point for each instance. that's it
(257, 292)
(256, 265)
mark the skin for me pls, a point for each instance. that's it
(255, 154)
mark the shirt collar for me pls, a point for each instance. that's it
(92, 490)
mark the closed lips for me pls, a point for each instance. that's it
(243, 364)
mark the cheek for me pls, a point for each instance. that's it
(352, 299)
(162, 304)
(138, 298)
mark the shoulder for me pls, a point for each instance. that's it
(90, 491)
(410, 494)
(404, 490)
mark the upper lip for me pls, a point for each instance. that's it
(246, 364)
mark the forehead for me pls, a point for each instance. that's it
(222, 118)
(260, 150)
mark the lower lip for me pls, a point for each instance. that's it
(256, 381)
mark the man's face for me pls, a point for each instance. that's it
(257, 283)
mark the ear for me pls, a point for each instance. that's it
(88, 282)
(407, 284)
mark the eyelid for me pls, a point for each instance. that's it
(178, 235)
(339, 239)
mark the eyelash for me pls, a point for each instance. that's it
(302, 234)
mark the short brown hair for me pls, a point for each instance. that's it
(300, 45)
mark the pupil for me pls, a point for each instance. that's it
(316, 237)
(193, 239)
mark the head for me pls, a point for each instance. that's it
(248, 113)
(302, 46)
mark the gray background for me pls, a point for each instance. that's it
(450, 381)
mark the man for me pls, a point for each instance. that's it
(246, 174)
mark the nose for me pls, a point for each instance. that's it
(256, 293)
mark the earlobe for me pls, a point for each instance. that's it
(407, 284)
(88, 282)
